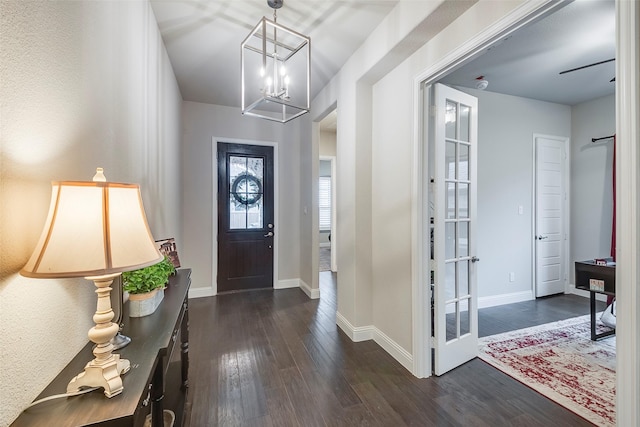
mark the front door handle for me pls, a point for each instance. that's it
(542, 237)
(475, 259)
(269, 234)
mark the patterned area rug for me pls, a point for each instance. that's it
(560, 361)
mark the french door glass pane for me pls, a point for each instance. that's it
(463, 200)
(451, 120)
(465, 320)
(463, 165)
(450, 280)
(450, 201)
(452, 321)
(465, 120)
(463, 278)
(449, 240)
(450, 160)
(463, 239)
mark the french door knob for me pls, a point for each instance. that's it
(475, 259)
(542, 237)
(269, 234)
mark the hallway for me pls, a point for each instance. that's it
(277, 358)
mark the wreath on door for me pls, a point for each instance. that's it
(245, 182)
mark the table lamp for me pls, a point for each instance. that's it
(96, 230)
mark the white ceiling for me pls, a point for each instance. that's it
(528, 63)
(203, 42)
(203, 38)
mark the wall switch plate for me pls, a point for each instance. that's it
(520, 209)
(512, 277)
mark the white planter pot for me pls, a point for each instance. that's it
(145, 304)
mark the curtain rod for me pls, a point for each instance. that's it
(604, 137)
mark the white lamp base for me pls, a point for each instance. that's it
(105, 370)
(106, 376)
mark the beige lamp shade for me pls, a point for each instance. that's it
(92, 229)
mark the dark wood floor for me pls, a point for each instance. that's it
(277, 358)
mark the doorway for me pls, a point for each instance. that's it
(246, 226)
(327, 185)
(511, 197)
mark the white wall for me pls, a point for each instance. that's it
(591, 179)
(82, 85)
(505, 182)
(328, 140)
(431, 30)
(202, 122)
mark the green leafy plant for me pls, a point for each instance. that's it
(149, 278)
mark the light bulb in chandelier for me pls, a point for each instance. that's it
(268, 83)
(286, 87)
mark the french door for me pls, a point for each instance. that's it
(454, 190)
(245, 217)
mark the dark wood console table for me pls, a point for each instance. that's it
(158, 378)
(597, 279)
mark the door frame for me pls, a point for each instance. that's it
(214, 223)
(421, 294)
(566, 144)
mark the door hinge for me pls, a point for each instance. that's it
(432, 341)
(433, 110)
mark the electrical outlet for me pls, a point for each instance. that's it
(512, 277)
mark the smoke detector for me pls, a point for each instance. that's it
(481, 83)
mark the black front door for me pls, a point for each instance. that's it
(245, 217)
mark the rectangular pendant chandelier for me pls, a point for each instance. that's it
(276, 70)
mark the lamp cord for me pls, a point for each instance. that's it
(58, 396)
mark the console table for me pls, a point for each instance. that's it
(158, 378)
(597, 279)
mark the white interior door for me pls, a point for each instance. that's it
(550, 224)
(455, 261)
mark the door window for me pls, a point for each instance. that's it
(245, 195)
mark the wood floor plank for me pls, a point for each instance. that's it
(281, 409)
(302, 400)
(377, 405)
(230, 395)
(277, 358)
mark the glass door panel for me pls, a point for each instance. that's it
(455, 297)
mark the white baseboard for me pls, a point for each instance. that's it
(355, 333)
(281, 284)
(365, 333)
(201, 292)
(580, 292)
(311, 293)
(287, 284)
(394, 349)
(495, 300)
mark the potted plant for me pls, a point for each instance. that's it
(146, 287)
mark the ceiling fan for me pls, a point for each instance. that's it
(590, 65)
